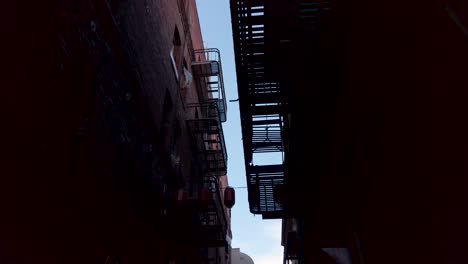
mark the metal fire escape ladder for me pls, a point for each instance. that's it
(264, 39)
(212, 109)
(210, 84)
(261, 104)
(207, 134)
(262, 182)
(213, 218)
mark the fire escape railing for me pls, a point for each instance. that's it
(264, 35)
(262, 183)
(213, 218)
(207, 133)
(209, 79)
(261, 105)
(206, 128)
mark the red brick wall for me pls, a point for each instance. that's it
(196, 28)
(84, 161)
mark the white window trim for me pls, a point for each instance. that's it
(174, 65)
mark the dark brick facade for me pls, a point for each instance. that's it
(94, 124)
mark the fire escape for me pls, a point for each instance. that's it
(207, 133)
(266, 37)
(262, 106)
(270, 37)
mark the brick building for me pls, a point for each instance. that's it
(112, 138)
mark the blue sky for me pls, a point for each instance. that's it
(261, 239)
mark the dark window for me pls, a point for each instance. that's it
(166, 116)
(176, 52)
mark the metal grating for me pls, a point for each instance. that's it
(265, 34)
(207, 133)
(213, 228)
(261, 103)
(267, 134)
(261, 182)
(209, 79)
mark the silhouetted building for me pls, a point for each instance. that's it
(113, 142)
(364, 104)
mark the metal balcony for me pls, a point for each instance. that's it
(213, 228)
(208, 76)
(207, 133)
(262, 181)
(261, 104)
(205, 125)
(266, 35)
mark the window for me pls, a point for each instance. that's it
(167, 113)
(176, 52)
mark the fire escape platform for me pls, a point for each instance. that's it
(205, 125)
(262, 105)
(265, 35)
(262, 181)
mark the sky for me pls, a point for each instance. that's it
(260, 239)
